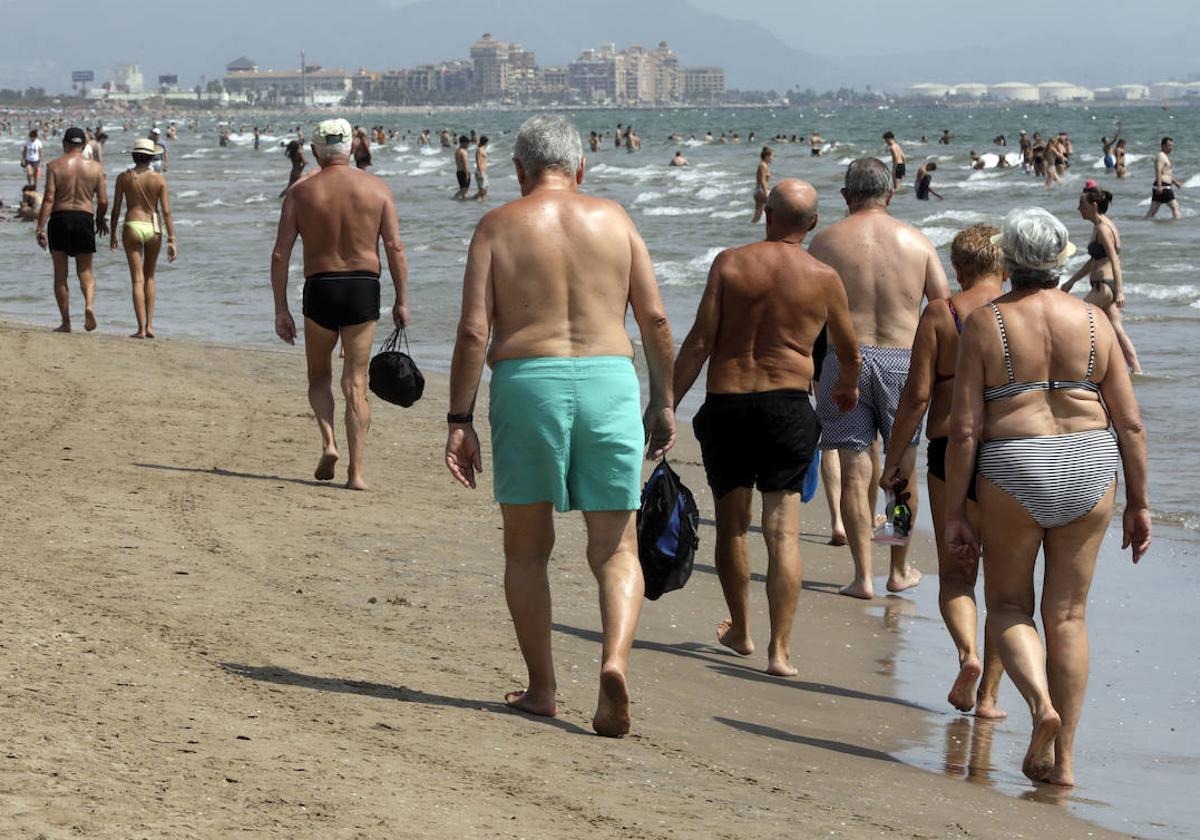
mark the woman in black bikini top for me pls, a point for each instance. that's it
(1103, 267)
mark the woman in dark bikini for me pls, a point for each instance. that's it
(1042, 396)
(980, 269)
(1103, 267)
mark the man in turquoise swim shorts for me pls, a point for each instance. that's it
(549, 279)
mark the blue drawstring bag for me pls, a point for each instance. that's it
(668, 532)
(812, 478)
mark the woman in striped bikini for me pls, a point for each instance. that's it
(1040, 377)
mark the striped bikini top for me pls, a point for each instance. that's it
(1012, 388)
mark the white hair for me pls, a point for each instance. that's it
(548, 141)
(327, 152)
(1035, 245)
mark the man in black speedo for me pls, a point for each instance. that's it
(340, 213)
(762, 310)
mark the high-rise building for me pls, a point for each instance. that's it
(522, 72)
(703, 84)
(640, 76)
(598, 75)
(668, 84)
(126, 78)
(490, 58)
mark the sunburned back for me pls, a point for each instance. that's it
(1050, 339)
(560, 277)
(884, 265)
(773, 306)
(339, 213)
(76, 181)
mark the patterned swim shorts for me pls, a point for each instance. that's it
(884, 372)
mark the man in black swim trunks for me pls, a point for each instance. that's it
(899, 167)
(461, 167)
(73, 212)
(763, 309)
(340, 213)
(1163, 191)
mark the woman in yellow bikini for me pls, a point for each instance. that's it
(144, 193)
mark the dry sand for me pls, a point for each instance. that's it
(201, 641)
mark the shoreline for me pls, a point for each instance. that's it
(204, 640)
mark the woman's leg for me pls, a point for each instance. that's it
(1010, 539)
(1127, 349)
(956, 599)
(133, 255)
(1070, 561)
(150, 264)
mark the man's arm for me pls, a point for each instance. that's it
(47, 205)
(936, 284)
(397, 260)
(844, 340)
(655, 329)
(698, 345)
(281, 255)
(463, 455)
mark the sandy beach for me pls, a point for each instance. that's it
(201, 641)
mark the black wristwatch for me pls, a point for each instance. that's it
(460, 419)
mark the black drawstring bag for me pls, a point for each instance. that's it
(393, 375)
(668, 527)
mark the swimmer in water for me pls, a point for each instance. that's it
(1110, 159)
(762, 182)
(897, 153)
(924, 179)
(678, 160)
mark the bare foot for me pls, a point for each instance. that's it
(89, 320)
(898, 584)
(150, 333)
(137, 335)
(533, 703)
(356, 482)
(779, 665)
(324, 471)
(858, 590)
(986, 709)
(739, 643)
(612, 710)
(63, 328)
(962, 693)
(838, 538)
(1063, 778)
(1039, 758)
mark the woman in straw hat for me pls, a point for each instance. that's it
(144, 193)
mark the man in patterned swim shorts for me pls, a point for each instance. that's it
(887, 268)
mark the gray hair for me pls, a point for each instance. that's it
(332, 151)
(548, 141)
(867, 179)
(1035, 244)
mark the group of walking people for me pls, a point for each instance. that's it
(1030, 384)
(75, 210)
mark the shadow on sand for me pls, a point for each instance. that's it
(217, 471)
(821, 743)
(730, 667)
(382, 691)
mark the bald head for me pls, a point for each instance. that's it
(791, 207)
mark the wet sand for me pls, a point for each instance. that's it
(200, 640)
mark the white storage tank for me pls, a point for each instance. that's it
(1062, 92)
(971, 90)
(1014, 92)
(1167, 90)
(930, 90)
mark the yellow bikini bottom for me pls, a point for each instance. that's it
(144, 231)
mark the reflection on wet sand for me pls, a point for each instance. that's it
(969, 749)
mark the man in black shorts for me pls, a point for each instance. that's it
(73, 212)
(762, 310)
(461, 167)
(340, 213)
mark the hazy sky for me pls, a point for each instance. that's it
(885, 26)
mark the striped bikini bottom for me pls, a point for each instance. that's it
(1056, 478)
